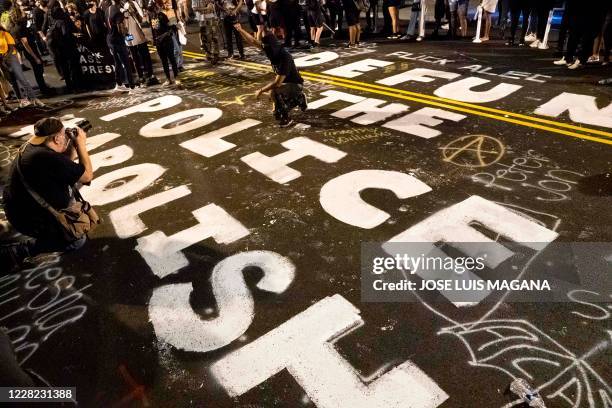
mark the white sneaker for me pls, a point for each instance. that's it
(535, 44)
(445, 26)
(38, 103)
(530, 37)
(405, 37)
(121, 88)
(562, 61)
(575, 65)
(593, 60)
(542, 46)
(419, 38)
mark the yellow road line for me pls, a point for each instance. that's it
(469, 105)
(456, 108)
(449, 101)
(496, 114)
(484, 114)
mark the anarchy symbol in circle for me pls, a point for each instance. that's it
(473, 151)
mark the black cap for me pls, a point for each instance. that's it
(44, 128)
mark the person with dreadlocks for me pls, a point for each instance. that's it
(286, 90)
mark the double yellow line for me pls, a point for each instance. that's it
(533, 122)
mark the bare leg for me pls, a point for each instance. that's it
(318, 33)
(596, 47)
(260, 32)
(394, 19)
(487, 17)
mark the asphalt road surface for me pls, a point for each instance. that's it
(224, 278)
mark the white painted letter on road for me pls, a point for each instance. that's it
(303, 346)
(340, 197)
(176, 323)
(276, 167)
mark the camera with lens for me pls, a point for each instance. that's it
(84, 124)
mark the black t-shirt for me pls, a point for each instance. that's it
(95, 22)
(160, 26)
(39, 18)
(114, 16)
(349, 6)
(21, 30)
(286, 66)
(290, 8)
(313, 6)
(48, 173)
(59, 31)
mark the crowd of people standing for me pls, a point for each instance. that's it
(50, 31)
(41, 31)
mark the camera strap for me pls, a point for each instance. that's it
(37, 197)
(41, 201)
(76, 221)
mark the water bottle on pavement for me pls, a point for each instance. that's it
(522, 388)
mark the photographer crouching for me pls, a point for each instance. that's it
(41, 199)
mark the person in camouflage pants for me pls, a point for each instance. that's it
(208, 18)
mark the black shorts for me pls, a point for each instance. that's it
(257, 19)
(315, 18)
(393, 3)
(275, 18)
(351, 13)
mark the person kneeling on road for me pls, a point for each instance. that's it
(41, 199)
(286, 90)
